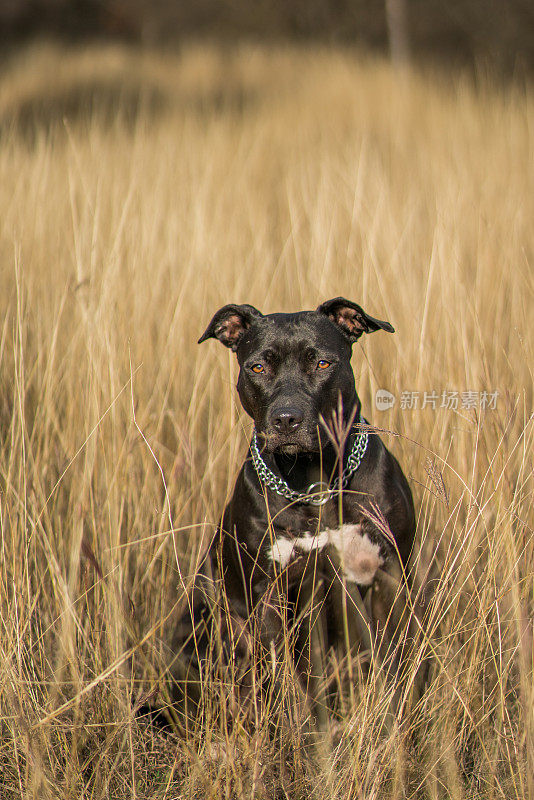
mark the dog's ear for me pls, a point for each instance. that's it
(351, 318)
(230, 323)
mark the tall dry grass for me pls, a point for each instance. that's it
(141, 191)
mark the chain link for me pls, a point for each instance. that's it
(279, 485)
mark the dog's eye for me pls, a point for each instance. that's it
(322, 364)
(257, 368)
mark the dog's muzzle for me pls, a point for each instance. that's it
(286, 431)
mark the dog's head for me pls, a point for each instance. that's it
(294, 368)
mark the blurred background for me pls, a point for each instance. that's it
(490, 32)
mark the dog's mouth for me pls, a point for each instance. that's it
(288, 449)
(298, 444)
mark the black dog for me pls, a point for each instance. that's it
(294, 503)
(295, 368)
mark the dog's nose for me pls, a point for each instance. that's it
(287, 420)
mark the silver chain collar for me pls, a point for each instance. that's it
(317, 494)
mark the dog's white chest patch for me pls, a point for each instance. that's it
(359, 556)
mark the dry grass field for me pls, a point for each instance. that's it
(141, 191)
